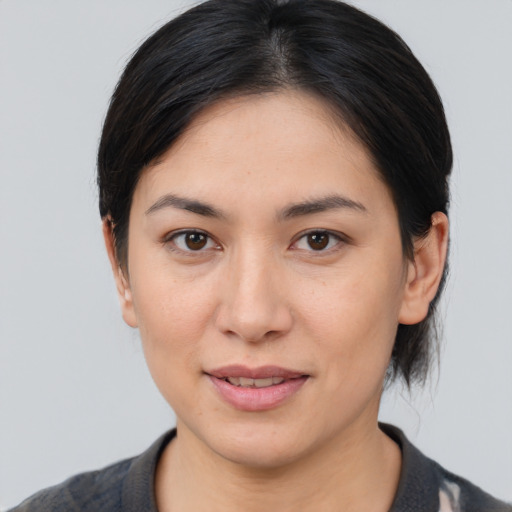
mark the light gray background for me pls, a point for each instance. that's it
(74, 391)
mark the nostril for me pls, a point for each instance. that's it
(252, 315)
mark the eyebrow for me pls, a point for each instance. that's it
(303, 208)
(320, 205)
(182, 203)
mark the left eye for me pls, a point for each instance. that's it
(192, 241)
(317, 241)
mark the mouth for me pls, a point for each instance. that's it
(245, 382)
(256, 389)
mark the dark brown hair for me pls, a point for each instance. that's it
(358, 65)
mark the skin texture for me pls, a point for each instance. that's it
(258, 293)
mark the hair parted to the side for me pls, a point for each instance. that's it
(360, 67)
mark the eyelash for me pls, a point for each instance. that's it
(170, 240)
(338, 238)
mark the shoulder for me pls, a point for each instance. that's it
(124, 486)
(426, 485)
(458, 494)
(95, 490)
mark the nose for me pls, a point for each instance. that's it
(253, 305)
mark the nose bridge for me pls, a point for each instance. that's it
(253, 307)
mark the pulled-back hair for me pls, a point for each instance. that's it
(360, 67)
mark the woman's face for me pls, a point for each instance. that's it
(263, 245)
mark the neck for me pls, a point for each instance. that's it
(352, 472)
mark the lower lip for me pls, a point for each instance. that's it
(257, 399)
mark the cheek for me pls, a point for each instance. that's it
(172, 316)
(171, 325)
(354, 318)
(168, 303)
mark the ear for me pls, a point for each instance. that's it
(425, 272)
(124, 292)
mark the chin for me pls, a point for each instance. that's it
(258, 445)
(264, 455)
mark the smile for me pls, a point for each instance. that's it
(245, 382)
(257, 389)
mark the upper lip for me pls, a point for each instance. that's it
(261, 372)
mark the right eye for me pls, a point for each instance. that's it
(192, 241)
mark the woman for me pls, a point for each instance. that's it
(273, 189)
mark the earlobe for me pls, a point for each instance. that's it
(425, 272)
(124, 292)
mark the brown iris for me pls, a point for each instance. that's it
(195, 241)
(318, 241)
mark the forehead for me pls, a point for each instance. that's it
(276, 146)
(286, 117)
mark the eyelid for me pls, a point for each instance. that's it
(169, 238)
(341, 237)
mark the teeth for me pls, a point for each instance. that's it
(263, 383)
(234, 380)
(246, 383)
(254, 383)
